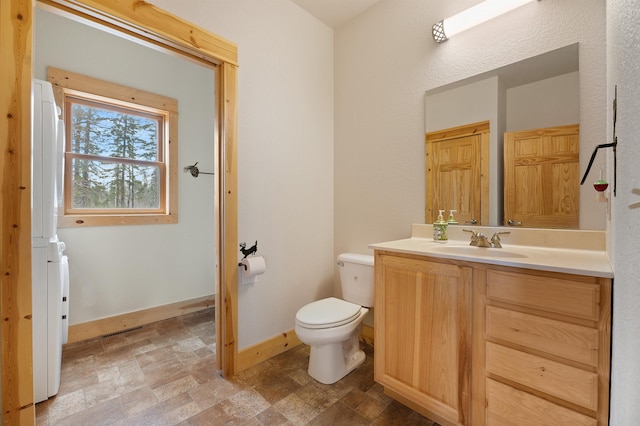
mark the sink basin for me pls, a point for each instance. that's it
(477, 251)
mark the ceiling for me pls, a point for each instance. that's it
(334, 13)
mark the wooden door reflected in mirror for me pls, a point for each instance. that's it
(457, 173)
(541, 177)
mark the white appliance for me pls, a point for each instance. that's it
(50, 274)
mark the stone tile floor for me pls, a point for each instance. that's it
(164, 374)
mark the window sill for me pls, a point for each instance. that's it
(76, 221)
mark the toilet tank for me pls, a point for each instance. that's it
(356, 278)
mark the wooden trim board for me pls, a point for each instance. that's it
(227, 318)
(118, 323)
(281, 343)
(367, 334)
(16, 21)
(267, 349)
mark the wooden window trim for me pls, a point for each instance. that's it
(71, 85)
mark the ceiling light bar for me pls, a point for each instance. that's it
(473, 16)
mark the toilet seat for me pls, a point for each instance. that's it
(327, 313)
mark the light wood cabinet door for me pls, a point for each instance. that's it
(423, 335)
(455, 178)
(541, 177)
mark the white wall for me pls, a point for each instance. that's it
(551, 102)
(385, 61)
(114, 270)
(623, 60)
(285, 131)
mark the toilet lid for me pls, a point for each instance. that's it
(326, 313)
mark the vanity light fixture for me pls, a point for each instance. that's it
(473, 16)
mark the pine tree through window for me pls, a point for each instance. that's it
(117, 152)
(116, 156)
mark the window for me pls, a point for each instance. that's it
(120, 152)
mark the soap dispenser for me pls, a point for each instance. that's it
(452, 220)
(440, 228)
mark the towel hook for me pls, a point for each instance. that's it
(195, 172)
(613, 145)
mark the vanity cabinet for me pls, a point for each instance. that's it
(468, 343)
(547, 348)
(423, 335)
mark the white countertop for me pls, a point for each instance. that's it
(593, 261)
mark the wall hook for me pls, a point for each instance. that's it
(195, 172)
(613, 145)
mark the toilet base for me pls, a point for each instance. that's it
(329, 363)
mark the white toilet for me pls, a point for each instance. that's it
(332, 326)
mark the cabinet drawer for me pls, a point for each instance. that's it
(578, 299)
(510, 406)
(574, 342)
(568, 383)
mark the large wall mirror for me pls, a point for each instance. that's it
(541, 92)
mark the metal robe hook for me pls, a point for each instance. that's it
(195, 172)
(613, 145)
(593, 157)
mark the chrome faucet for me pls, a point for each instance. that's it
(478, 239)
(495, 239)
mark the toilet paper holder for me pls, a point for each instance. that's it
(247, 251)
